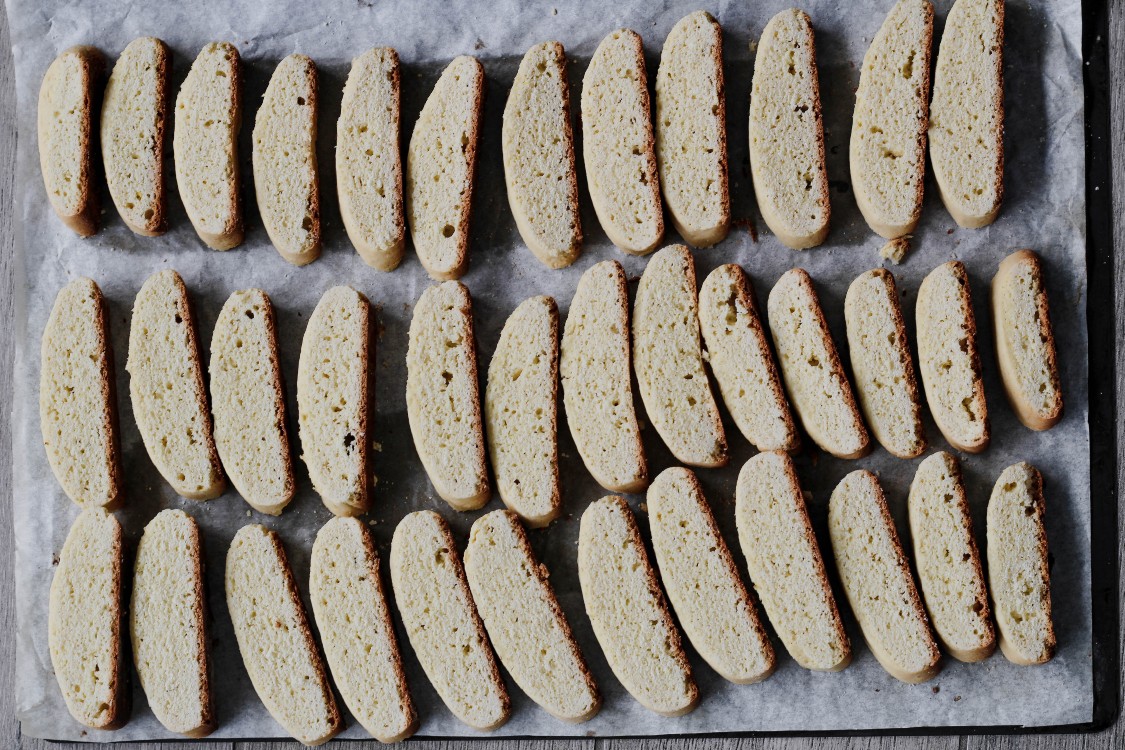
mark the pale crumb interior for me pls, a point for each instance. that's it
(76, 417)
(690, 128)
(628, 611)
(285, 169)
(132, 120)
(521, 411)
(526, 626)
(669, 364)
(64, 100)
(1028, 345)
(332, 397)
(247, 401)
(438, 613)
(785, 564)
(167, 622)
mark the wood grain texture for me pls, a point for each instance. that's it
(9, 728)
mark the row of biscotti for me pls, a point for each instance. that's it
(245, 428)
(500, 598)
(628, 162)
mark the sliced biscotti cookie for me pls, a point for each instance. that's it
(168, 624)
(949, 359)
(947, 559)
(166, 385)
(441, 167)
(882, 365)
(1025, 341)
(286, 179)
(785, 564)
(618, 146)
(275, 639)
(442, 623)
(668, 360)
(443, 396)
(888, 143)
(84, 622)
(333, 400)
(787, 133)
(351, 611)
(702, 582)
(877, 581)
(369, 160)
(538, 144)
(205, 145)
(691, 130)
(742, 362)
(133, 134)
(967, 112)
(248, 402)
(813, 374)
(597, 385)
(78, 399)
(1018, 572)
(629, 612)
(521, 411)
(67, 136)
(528, 628)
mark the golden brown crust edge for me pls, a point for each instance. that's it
(466, 212)
(158, 223)
(909, 369)
(974, 362)
(278, 388)
(652, 174)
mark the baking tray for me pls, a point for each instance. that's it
(1102, 409)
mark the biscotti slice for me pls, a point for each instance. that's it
(882, 365)
(949, 360)
(877, 581)
(275, 639)
(85, 619)
(77, 397)
(742, 362)
(967, 112)
(597, 385)
(785, 564)
(441, 621)
(521, 411)
(333, 400)
(787, 133)
(1025, 341)
(528, 628)
(354, 620)
(133, 134)
(668, 360)
(166, 384)
(248, 402)
(443, 397)
(286, 179)
(629, 612)
(888, 143)
(538, 144)
(691, 130)
(168, 624)
(1018, 572)
(618, 145)
(205, 145)
(818, 388)
(948, 563)
(441, 167)
(66, 137)
(369, 160)
(702, 582)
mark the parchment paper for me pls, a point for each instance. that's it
(1044, 209)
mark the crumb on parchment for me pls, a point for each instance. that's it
(895, 250)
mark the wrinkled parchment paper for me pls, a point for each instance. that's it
(1044, 209)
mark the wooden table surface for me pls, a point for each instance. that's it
(9, 727)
